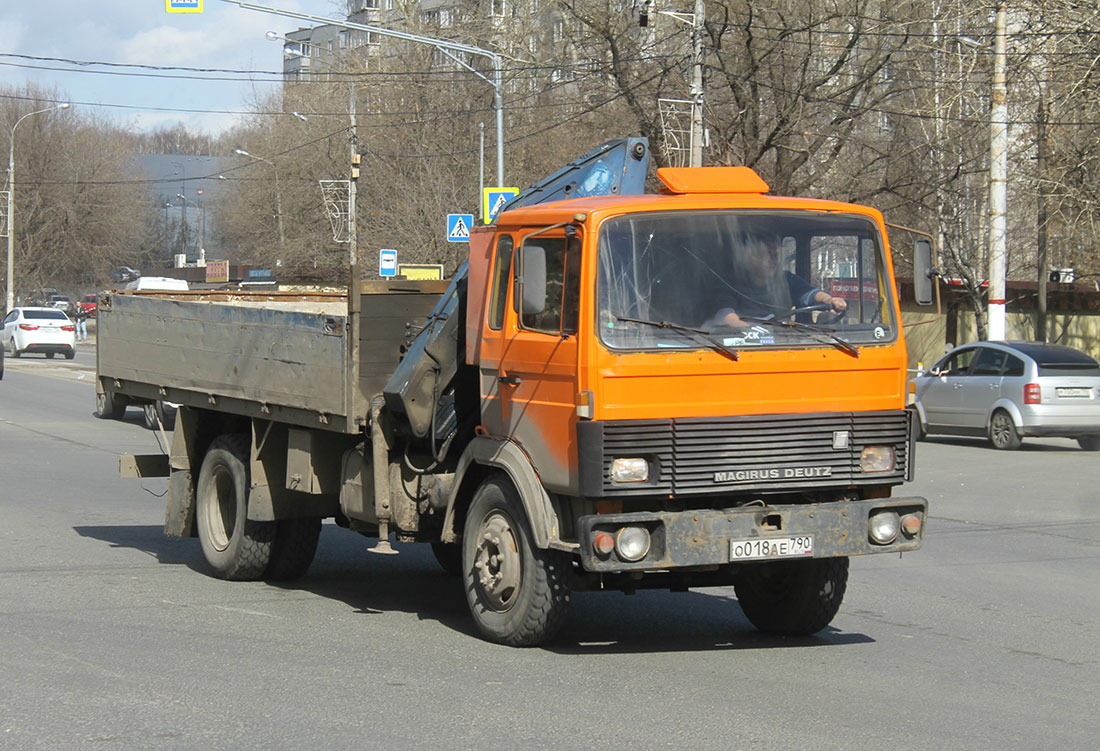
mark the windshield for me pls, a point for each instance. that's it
(747, 279)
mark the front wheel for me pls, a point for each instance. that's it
(792, 598)
(517, 593)
(1002, 431)
(235, 546)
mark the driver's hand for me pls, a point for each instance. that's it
(839, 304)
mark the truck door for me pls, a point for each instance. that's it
(529, 374)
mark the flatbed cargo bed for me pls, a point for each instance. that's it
(294, 357)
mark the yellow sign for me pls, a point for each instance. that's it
(493, 200)
(420, 270)
(217, 271)
(183, 6)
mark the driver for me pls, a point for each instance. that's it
(760, 289)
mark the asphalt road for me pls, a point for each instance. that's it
(111, 635)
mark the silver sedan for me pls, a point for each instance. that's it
(1007, 390)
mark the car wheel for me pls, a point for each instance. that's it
(14, 352)
(49, 355)
(1089, 442)
(235, 546)
(792, 598)
(517, 593)
(1002, 431)
(70, 354)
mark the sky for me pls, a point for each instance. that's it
(141, 32)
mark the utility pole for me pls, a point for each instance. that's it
(1041, 234)
(697, 84)
(998, 182)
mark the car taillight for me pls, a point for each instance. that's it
(68, 328)
(1032, 394)
(28, 327)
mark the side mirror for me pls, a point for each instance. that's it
(922, 271)
(533, 281)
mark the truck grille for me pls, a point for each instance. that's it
(752, 453)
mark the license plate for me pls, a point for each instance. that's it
(1074, 392)
(772, 547)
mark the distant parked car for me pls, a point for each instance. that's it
(62, 303)
(88, 304)
(45, 330)
(1008, 390)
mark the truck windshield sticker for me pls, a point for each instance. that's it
(747, 278)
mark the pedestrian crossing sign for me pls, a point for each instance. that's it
(493, 200)
(458, 227)
(183, 6)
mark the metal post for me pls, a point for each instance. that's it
(278, 194)
(443, 45)
(697, 85)
(10, 298)
(998, 183)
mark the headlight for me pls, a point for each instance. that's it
(876, 459)
(629, 470)
(883, 527)
(632, 543)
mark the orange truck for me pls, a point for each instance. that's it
(701, 386)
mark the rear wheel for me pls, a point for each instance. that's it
(70, 354)
(107, 407)
(294, 547)
(1002, 431)
(518, 594)
(154, 415)
(792, 598)
(49, 355)
(1089, 442)
(235, 546)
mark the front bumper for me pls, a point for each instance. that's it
(702, 537)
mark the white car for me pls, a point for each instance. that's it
(45, 330)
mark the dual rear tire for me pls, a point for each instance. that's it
(236, 547)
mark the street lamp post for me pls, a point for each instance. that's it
(202, 219)
(10, 299)
(446, 47)
(278, 196)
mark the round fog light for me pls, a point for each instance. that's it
(911, 524)
(632, 543)
(883, 527)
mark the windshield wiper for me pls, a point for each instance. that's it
(822, 332)
(699, 335)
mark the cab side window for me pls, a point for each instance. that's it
(502, 270)
(549, 289)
